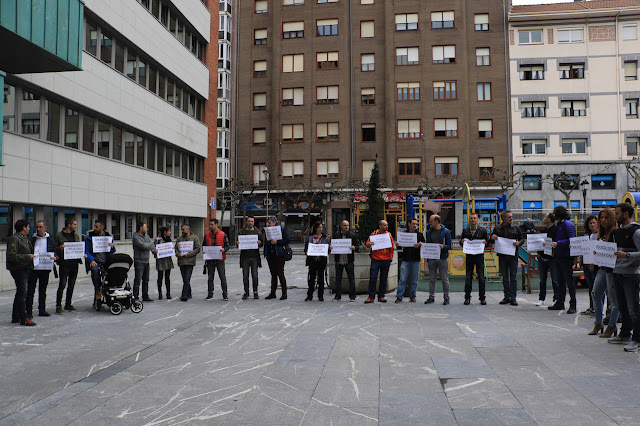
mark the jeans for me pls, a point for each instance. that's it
(186, 271)
(68, 275)
(509, 272)
(350, 275)
(167, 281)
(544, 268)
(316, 274)
(629, 304)
(250, 264)
(477, 261)
(565, 279)
(381, 266)
(21, 277)
(43, 278)
(95, 277)
(276, 267)
(409, 271)
(435, 266)
(589, 277)
(142, 273)
(212, 266)
(604, 282)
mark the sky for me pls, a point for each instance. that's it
(518, 2)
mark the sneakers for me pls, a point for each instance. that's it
(308, 299)
(412, 299)
(271, 296)
(245, 296)
(255, 295)
(168, 296)
(467, 301)
(556, 307)
(632, 347)
(369, 300)
(571, 310)
(588, 312)
(352, 299)
(184, 299)
(483, 302)
(619, 340)
(28, 322)
(59, 310)
(283, 297)
(429, 300)
(147, 299)
(504, 301)
(513, 302)
(209, 296)
(336, 299)
(398, 300)
(540, 303)
(224, 297)
(382, 300)
(44, 314)
(446, 302)
(70, 308)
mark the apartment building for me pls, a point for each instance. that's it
(574, 102)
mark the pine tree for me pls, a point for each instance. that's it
(374, 212)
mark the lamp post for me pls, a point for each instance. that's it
(265, 172)
(584, 184)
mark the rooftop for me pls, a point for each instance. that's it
(575, 6)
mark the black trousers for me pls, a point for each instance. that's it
(167, 281)
(34, 277)
(68, 276)
(475, 261)
(316, 274)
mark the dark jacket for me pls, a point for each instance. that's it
(278, 249)
(445, 240)
(318, 260)
(248, 254)
(565, 231)
(166, 263)
(512, 232)
(479, 234)
(60, 240)
(412, 254)
(354, 242)
(19, 248)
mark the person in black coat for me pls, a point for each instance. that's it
(474, 232)
(42, 242)
(410, 267)
(345, 262)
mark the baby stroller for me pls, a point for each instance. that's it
(116, 291)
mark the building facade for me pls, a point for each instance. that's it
(574, 97)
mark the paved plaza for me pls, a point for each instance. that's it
(272, 362)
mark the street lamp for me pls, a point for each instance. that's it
(584, 184)
(265, 172)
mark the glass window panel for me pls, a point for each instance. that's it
(117, 144)
(161, 86)
(106, 49)
(132, 64)
(153, 80)
(119, 56)
(160, 157)
(181, 32)
(173, 23)
(9, 113)
(91, 39)
(192, 105)
(88, 136)
(192, 167)
(185, 101)
(171, 98)
(140, 151)
(142, 67)
(71, 123)
(103, 139)
(52, 113)
(115, 226)
(185, 166)
(30, 113)
(169, 161)
(129, 147)
(176, 163)
(151, 155)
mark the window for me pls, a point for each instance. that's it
(8, 117)
(631, 108)
(140, 154)
(633, 143)
(52, 114)
(574, 146)
(260, 69)
(482, 56)
(603, 182)
(486, 168)
(293, 29)
(327, 27)
(367, 168)
(531, 72)
(408, 91)
(408, 129)
(368, 95)
(260, 36)
(259, 136)
(368, 133)
(293, 97)
(571, 71)
(406, 22)
(444, 90)
(326, 95)
(259, 101)
(630, 32)
(485, 129)
(407, 56)
(481, 21)
(444, 54)
(367, 1)
(566, 182)
(327, 1)
(261, 6)
(367, 62)
(91, 39)
(367, 29)
(30, 113)
(258, 176)
(292, 169)
(106, 49)
(442, 19)
(530, 37)
(630, 70)
(409, 166)
(88, 134)
(446, 166)
(446, 127)
(292, 2)
(71, 124)
(484, 91)
(532, 109)
(327, 132)
(571, 35)
(117, 148)
(573, 108)
(327, 60)
(532, 183)
(327, 168)
(293, 63)
(293, 133)
(534, 147)
(132, 64)
(103, 139)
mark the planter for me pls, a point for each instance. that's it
(362, 265)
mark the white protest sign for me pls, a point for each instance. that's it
(165, 250)
(36, 259)
(212, 252)
(505, 246)
(45, 261)
(273, 232)
(247, 242)
(318, 250)
(380, 241)
(184, 247)
(341, 246)
(534, 242)
(73, 251)
(101, 244)
(548, 250)
(473, 246)
(577, 245)
(588, 257)
(407, 239)
(430, 251)
(604, 254)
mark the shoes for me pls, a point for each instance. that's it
(587, 311)
(556, 307)
(28, 322)
(147, 299)
(446, 302)
(619, 340)
(632, 347)
(504, 301)
(382, 300)
(467, 301)
(184, 299)
(336, 299)
(159, 296)
(209, 296)
(15, 321)
(245, 296)
(572, 307)
(308, 299)
(271, 296)
(513, 302)
(255, 295)
(540, 303)
(224, 297)
(59, 310)
(597, 328)
(429, 300)
(44, 314)
(369, 300)
(168, 296)
(352, 299)
(398, 300)
(412, 299)
(70, 308)
(320, 299)
(483, 302)
(611, 330)
(283, 297)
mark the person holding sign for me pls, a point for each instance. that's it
(380, 262)
(250, 258)
(42, 243)
(164, 265)
(96, 259)
(605, 281)
(473, 232)
(345, 261)
(410, 267)
(547, 263)
(317, 264)
(438, 234)
(564, 261)
(20, 264)
(215, 237)
(142, 245)
(508, 264)
(187, 259)
(68, 267)
(275, 252)
(590, 232)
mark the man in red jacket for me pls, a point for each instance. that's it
(215, 237)
(380, 262)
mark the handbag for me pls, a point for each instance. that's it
(288, 253)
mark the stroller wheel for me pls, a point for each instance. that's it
(116, 308)
(136, 306)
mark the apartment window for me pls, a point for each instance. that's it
(408, 91)
(446, 127)
(446, 166)
(630, 70)
(406, 22)
(71, 128)
(327, 1)
(531, 72)
(442, 19)
(532, 183)
(259, 136)
(444, 90)
(106, 49)
(630, 32)
(260, 36)
(293, 97)
(52, 114)
(571, 71)
(407, 56)
(532, 109)
(132, 65)
(293, 133)
(292, 169)
(293, 63)
(293, 29)
(482, 56)
(574, 146)
(88, 133)
(327, 60)
(486, 168)
(631, 108)
(481, 21)
(257, 174)
(484, 91)
(571, 35)
(326, 27)
(368, 62)
(408, 129)
(573, 108)
(368, 133)
(530, 37)
(367, 1)
(327, 132)
(91, 38)
(485, 129)
(103, 139)
(261, 6)
(444, 54)
(368, 96)
(367, 29)
(633, 145)
(260, 69)
(534, 147)
(292, 2)
(30, 113)
(327, 168)
(9, 118)
(367, 168)
(603, 182)
(259, 101)
(326, 95)
(409, 166)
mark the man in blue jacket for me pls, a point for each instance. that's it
(94, 260)
(564, 262)
(439, 234)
